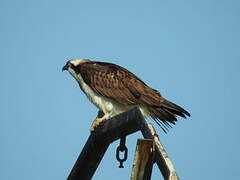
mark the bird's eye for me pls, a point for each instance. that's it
(69, 64)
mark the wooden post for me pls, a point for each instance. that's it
(111, 130)
(99, 140)
(143, 160)
(164, 163)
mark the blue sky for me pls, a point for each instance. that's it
(188, 50)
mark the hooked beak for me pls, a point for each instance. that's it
(65, 67)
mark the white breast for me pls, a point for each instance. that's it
(107, 105)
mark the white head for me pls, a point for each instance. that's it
(74, 63)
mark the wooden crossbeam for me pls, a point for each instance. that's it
(99, 140)
(111, 130)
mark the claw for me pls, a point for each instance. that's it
(96, 123)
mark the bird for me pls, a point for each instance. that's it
(114, 90)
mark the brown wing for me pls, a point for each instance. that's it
(117, 83)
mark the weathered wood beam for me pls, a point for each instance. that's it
(143, 160)
(164, 163)
(99, 140)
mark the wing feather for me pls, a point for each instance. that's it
(108, 80)
(117, 83)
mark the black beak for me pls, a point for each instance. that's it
(65, 67)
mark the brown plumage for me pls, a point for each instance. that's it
(117, 83)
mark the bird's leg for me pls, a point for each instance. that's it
(99, 119)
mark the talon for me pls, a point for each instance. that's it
(96, 123)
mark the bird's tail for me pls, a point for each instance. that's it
(165, 114)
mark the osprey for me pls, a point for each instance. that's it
(114, 90)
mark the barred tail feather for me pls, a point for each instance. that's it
(167, 113)
(175, 108)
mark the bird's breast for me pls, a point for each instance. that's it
(105, 104)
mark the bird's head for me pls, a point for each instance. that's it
(71, 64)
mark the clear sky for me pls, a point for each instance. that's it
(188, 50)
